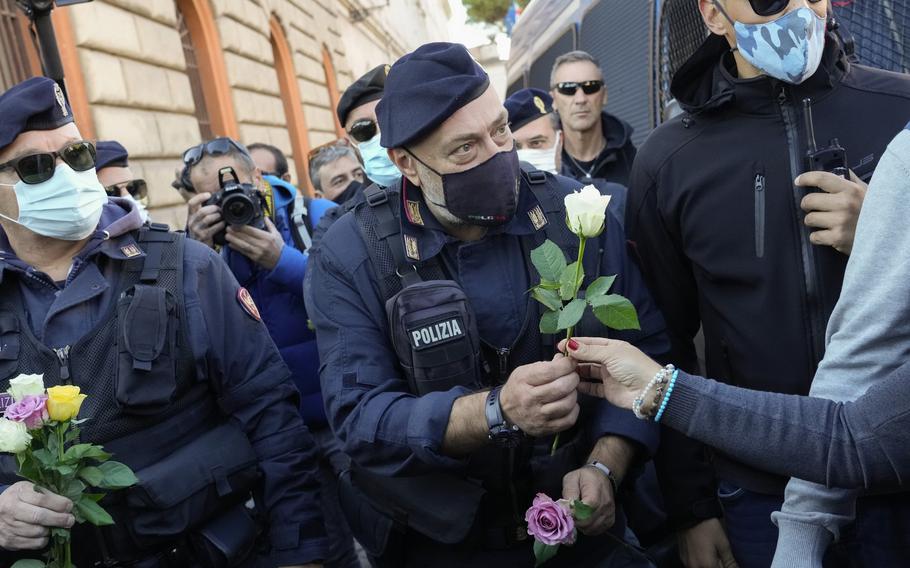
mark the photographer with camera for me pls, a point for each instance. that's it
(263, 226)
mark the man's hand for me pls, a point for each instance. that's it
(705, 546)
(204, 221)
(262, 247)
(833, 212)
(26, 516)
(541, 398)
(591, 486)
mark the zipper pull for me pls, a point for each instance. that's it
(503, 362)
(759, 182)
(782, 95)
(63, 355)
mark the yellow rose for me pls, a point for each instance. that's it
(63, 403)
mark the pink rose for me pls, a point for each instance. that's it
(32, 410)
(550, 522)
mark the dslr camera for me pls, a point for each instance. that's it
(240, 203)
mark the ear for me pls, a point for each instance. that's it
(257, 177)
(406, 164)
(714, 19)
(286, 177)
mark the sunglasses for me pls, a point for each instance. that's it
(38, 168)
(341, 142)
(216, 147)
(568, 88)
(137, 188)
(363, 130)
(771, 7)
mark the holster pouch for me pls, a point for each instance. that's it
(147, 373)
(193, 486)
(434, 332)
(227, 540)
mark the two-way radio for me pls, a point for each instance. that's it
(832, 158)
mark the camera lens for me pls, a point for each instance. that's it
(238, 209)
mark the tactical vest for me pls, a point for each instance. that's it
(144, 402)
(445, 507)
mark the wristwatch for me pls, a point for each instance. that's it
(609, 473)
(502, 433)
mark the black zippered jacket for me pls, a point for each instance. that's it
(716, 221)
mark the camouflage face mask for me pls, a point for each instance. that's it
(789, 48)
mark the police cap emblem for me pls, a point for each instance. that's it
(61, 100)
(538, 102)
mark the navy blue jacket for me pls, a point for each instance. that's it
(232, 350)
(279, 296)
(382, 426)
(614, 163)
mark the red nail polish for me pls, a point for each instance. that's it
(573, 345)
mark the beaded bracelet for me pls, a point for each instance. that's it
(659, 379)
(663, 405)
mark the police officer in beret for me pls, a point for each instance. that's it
(538, 138)
(183, 383)
(112, 163)
(436, 378)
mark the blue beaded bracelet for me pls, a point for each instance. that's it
(663, 405)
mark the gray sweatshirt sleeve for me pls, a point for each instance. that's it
(868, 336)
(860, 444)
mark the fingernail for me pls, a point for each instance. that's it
(573, 345)
(797, 180)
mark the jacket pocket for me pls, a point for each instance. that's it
(759, 189)
(9, 347)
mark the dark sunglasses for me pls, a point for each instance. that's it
(38, 168)
(216, 147)
(137, 188)
(342, 142)
(363, 130)
(568, 88)
(767, 8)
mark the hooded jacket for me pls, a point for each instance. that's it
(716, 220)
(614, 162)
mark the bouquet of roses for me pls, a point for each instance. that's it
(40, 427)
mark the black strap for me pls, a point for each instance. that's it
(533, 175)
(389, 231)
(155, 237)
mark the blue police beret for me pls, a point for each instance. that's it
(527, 105)
(424, 88)
(34, 104)
(363, 90)
(110, 154)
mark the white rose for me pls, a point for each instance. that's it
(25, 385)
(14, 437)
(585, 211)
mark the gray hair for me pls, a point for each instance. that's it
(325, 157)
(573, 57)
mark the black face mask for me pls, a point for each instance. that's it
(349, 192)
(485, 195)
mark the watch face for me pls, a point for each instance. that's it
(505, 436)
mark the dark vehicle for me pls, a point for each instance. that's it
(240, 203)
(641, 44)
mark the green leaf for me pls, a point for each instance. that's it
(92, 475)
(616, 312)
(93, 513)
(549, 260)
(73, 490)
(548, 285)
(599, 287)
(570, 282)
(83, 451)
(45, 458)
(581, 511)
(549, 323)
(548, 298)
(544, 552)
(60, 534)
(28, 564)
(72, 435)
(117, 476)
(571, 314)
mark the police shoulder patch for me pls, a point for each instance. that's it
(130, 251)
(246, 302)
(538, 219)
(427, 334)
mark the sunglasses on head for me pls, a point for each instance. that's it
(568, 88)
(216, 147)
(363, 130)
(137, 188)
(770, 7)
(342, 142)
(38, 168)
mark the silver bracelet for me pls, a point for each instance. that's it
(659, 379)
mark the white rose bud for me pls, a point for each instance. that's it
(14, 436)
(25, 385)
(586, 211)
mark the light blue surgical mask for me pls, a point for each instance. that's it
(66, 207)
(379, 168)
(789, 48)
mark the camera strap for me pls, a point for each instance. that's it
(299, 218)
